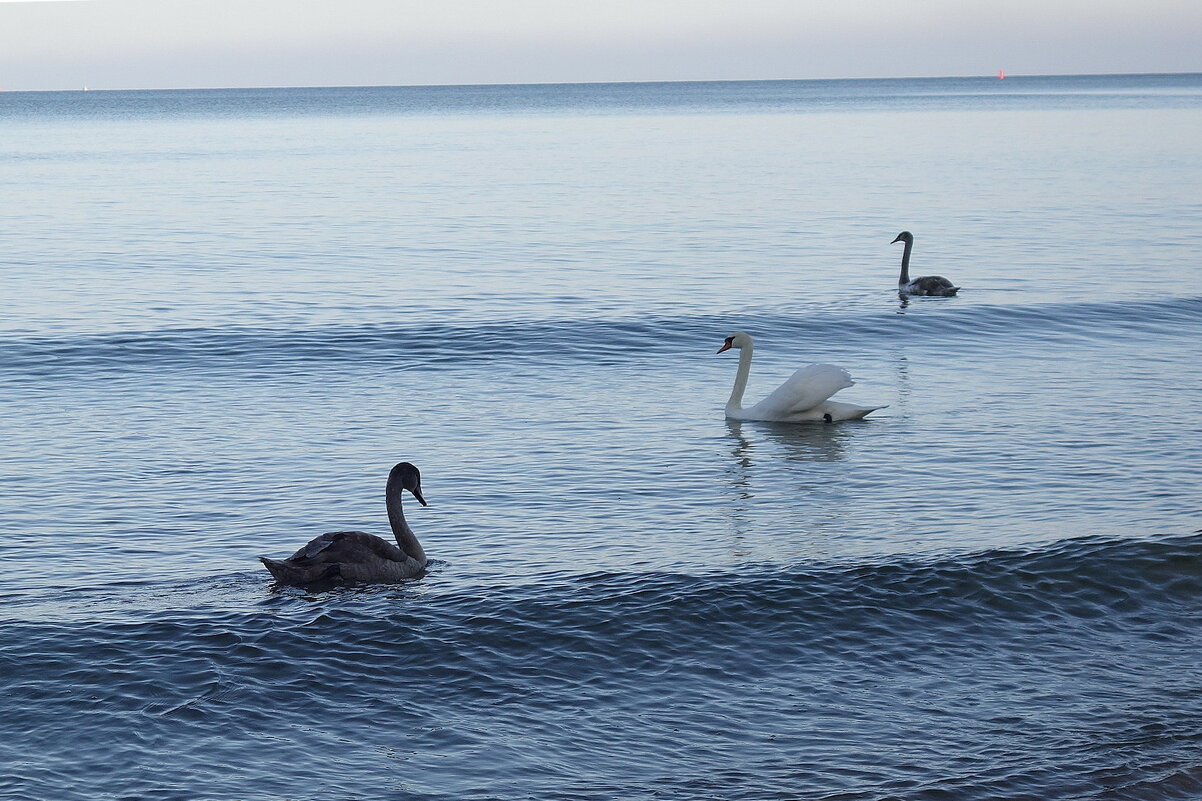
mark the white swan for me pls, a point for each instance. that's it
(357, 556)
(930, 285)
(803, 397)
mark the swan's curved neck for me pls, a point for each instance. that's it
(736, 394)
(405, 538)
(905, 272)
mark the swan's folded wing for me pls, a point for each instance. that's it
(338, 546)
(805, 389)
(315, 546)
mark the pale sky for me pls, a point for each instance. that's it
(110, 44)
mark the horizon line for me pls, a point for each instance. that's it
(992, 76)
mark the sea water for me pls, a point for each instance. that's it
(227, 314)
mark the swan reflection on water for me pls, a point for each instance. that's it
(904, 301)
(759, 469)
(814, 442)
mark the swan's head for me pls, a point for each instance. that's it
(410, 479)
(904, 236)
(735, 340)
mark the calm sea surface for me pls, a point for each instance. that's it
(226, 314)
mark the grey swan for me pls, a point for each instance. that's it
(935, 286)
(357, 556)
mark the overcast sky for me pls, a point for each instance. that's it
(107, 44)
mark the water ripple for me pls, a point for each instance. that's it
(764, 671)
(598, 341)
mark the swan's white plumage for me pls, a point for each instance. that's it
(804, 396)
(806, 389)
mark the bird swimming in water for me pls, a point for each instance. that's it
(929, 285)
(357, 556)
(804, 396)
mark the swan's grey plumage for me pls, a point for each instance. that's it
(931, 285)
(356, 555)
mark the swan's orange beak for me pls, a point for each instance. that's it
(725, 346)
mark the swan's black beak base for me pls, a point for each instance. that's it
(417, 493)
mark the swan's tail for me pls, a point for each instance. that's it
(288, 573)
(833, 411)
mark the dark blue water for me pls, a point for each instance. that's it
(1063, 672)
(228, 313)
